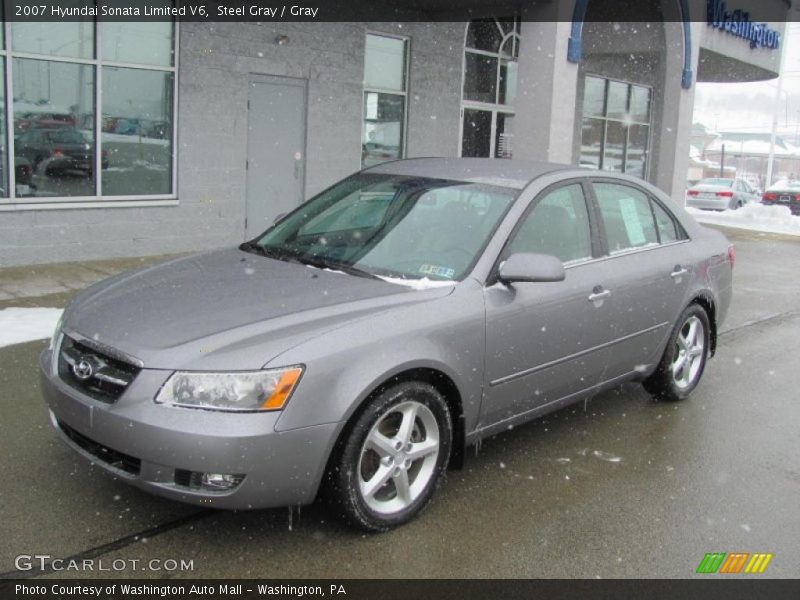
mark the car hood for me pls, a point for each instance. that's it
(226, 310)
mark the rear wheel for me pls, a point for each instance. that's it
(391, 460)
(684, 358)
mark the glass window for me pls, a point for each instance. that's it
(640, 104)
(594, 97)
(477, 134)
(667, 229)
(54, 126)
(626, 216)
(139, 43)
(405, 227)
(490, 81)
(62, 38)
(22, 167)
(384, 63)
(558, 225)
(615, 128)
(384, 113)
(480, 78)
(136, 141)
(56, 108)
(383, 128)
(484, 34)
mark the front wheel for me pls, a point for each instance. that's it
(391, 461)
(684, 358)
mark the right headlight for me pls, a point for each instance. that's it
(237, 391)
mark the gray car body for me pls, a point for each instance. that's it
(501, 354)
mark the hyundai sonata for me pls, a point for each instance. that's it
(357, 346)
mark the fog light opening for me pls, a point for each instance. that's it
(220, 481)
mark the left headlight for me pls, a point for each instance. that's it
(268, 389)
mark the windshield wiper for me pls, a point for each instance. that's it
(326, 263)
(268, 251)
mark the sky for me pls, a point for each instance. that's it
(749, 106)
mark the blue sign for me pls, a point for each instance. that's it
(737, 22)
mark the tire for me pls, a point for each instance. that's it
(676, 376)
(365, 471)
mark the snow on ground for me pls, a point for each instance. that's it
(755, 217)
(19, 325)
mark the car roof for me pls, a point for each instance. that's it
(511, 173)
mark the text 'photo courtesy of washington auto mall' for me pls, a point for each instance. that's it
(375, 297)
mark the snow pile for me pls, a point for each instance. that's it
(418, 284)
(754, 216)
(19, 325)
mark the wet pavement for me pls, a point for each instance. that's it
(621, 486)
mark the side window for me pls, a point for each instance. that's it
(667, 229)
(558, 225)
(626, 216)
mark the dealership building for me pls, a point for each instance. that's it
(145, 138)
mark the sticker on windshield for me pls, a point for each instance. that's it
(437, 270)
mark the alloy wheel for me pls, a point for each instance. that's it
(398, 457)
(690, 353)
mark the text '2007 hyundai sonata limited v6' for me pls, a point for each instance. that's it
(357, 347)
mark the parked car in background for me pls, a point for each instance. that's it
(57, 151)
(784, 192)
(362, 342)
(720, 193)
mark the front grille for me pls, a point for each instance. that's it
(112, 457)
(93, 372)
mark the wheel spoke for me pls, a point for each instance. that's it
(422, 449)
(380, 443)
(407, 425)
(402, 487)
(678, 365)
(684, 345)
(381, 476)
(691, 337)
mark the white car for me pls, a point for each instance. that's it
(720, 193)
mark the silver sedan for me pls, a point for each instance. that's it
(357, 347)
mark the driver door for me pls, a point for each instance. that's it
(545, 341)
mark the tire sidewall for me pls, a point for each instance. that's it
(356, 509)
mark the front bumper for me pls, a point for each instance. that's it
(152, 446)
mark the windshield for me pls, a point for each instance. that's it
(391, 226)
(716, 181)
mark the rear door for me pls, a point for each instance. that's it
(647, 272)
(546, 341)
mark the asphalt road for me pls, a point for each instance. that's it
(620, 487)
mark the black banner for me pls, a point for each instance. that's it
(403, 589)
(735, 12)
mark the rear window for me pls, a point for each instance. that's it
(66, 137)
(716, 181)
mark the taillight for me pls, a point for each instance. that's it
(769, 196)
(724, 194)
(58, 152)
(731, 255)
(693, 192)
(104, 153)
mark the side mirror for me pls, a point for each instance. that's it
(279, 217)
(529, 267)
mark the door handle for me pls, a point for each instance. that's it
(679, 271)
(599, 294)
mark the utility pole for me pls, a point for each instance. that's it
(722, 162)
(778, 90)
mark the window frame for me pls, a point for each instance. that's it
(605, 119)
(683, 236)
(97, 200)
(594, 230)
(404, 93)
(494, 108)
